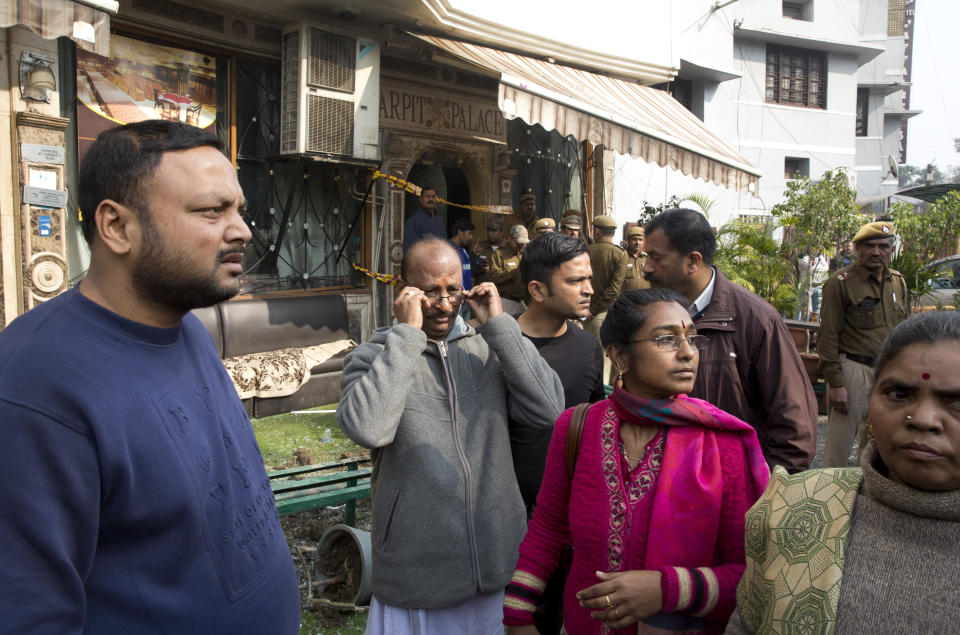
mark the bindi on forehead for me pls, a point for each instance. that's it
(925, 376)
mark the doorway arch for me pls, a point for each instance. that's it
(455, 176)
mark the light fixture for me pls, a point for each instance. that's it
(36, 77)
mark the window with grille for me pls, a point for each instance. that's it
(863, 100)
(896, 18)
(796, 77)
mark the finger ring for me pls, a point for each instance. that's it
(411, 292)
(609, 603)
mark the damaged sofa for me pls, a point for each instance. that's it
(282, 353)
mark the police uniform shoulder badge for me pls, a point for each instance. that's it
(843, 275)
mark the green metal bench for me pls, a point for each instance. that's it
(301, 489)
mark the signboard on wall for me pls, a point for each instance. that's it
(408, 107)
(142, 81)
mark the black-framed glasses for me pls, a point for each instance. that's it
(672, 342)
(436, 298)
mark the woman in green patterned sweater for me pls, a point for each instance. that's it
(874, 549)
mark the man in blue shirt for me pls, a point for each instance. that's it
(134, 494)
(425, 221)
(462, 236)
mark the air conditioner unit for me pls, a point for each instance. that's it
(330, 93)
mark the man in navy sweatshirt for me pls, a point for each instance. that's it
(133, 493)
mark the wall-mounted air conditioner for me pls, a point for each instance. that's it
(330, 93)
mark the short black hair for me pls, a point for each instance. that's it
(121, 160)
(686, 230)
(629, 312)
(427, 187)
(926, 328)
(544, 255)
(462, 225)
(440, 243)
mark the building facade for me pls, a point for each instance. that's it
(334, 114)
(797, 86)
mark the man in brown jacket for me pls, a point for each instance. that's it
(751, 367)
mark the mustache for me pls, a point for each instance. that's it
(440, 314)
(652, 279)
(223, 253)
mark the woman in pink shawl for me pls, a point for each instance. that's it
(655, 506)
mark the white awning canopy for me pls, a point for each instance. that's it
(86, 22)
(643, 122)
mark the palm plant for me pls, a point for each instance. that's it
(749, 256)
(703, 202)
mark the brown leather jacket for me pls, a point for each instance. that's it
(752, 369)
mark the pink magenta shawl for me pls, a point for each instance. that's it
(690, 474)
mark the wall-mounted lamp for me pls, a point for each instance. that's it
(36, 77)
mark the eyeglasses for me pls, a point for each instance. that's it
(672, 342)
(436, 298)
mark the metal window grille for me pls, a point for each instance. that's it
(863, 99)
(796, 77)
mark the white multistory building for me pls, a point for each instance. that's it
(798, 87)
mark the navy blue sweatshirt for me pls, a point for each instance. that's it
(133, 494)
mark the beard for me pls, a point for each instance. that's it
(160, 277)
(654, 280)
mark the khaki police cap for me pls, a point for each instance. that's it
(571, 222)
(635, 231)
(543, 223)
(879, 229)
(519, 234)
(604, 221)
(495, 223)
(528, 196)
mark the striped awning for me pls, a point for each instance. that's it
(86, 23)
(627, 117)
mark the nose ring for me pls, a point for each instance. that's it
(908, 419)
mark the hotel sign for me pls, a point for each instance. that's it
(405, 107)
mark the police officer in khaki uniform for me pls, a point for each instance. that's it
(543, 225)
(570, 225)
(861, 303)
(527, 213)
(505, 266)
(485, 249)
(635, 261)
(609, 264)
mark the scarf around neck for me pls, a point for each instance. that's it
(877, 484)
(688, 497)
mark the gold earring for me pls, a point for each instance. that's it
(870, 430)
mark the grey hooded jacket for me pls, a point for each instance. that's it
(447, 513)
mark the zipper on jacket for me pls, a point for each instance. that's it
(467, 484)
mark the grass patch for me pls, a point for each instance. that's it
(313, 624)
(286, 440)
